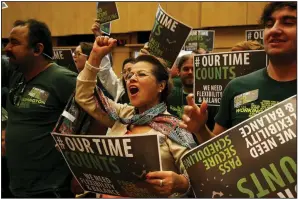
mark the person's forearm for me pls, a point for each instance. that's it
(94, 60)
(84, 95)
(183, 185)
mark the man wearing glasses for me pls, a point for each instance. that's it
(38, 92)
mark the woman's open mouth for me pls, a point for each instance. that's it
(133, 90)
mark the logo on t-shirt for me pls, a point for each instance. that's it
(39, 94)
(247, 97)
(35, 96)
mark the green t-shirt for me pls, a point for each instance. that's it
(177, 82)
(35, 165)
(251, 94)
(177, 101)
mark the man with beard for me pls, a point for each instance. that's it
(265, 87)
(177, 99)
(38, 92)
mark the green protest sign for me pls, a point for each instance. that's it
(106, 11)
(256, 158)
(200, 39)
(214, 71)
(106, 28)
(111, 165)
(255, 35)
(63, 57)
(167, 37)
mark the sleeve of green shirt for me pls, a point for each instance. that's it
(223, 117)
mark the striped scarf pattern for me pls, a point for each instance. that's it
(154, 117)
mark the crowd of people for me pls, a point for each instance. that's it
(145, 99)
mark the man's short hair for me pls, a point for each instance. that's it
(272, 7)
(183, 59)
(38, 32)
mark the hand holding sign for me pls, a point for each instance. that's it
(96, 28)
(165, 183)
(258, 152)
(111, 165)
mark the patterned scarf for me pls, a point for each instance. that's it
(166, 124)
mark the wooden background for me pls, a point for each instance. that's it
(228, 19)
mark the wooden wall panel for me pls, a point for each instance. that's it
(119, 55)
(141, 15)
(71, 18)
(63, 18)
(228, 19)
(121, 25)
(227, 37)
(254, 11)
(223, 14)
(20, 10)
(186, 12)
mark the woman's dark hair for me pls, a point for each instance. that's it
(161, 73)
(86, 48)
(272, 7)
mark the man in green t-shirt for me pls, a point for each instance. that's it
(38, 92)
(177, 99)
(262, 88)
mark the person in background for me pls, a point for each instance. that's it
(273, 84)
(81, 55)
(174, 71)
(247, 45)
(148, 87)
(116, 86)
(177, 99)
(39, 89)
(200, 51)
(5, 192)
